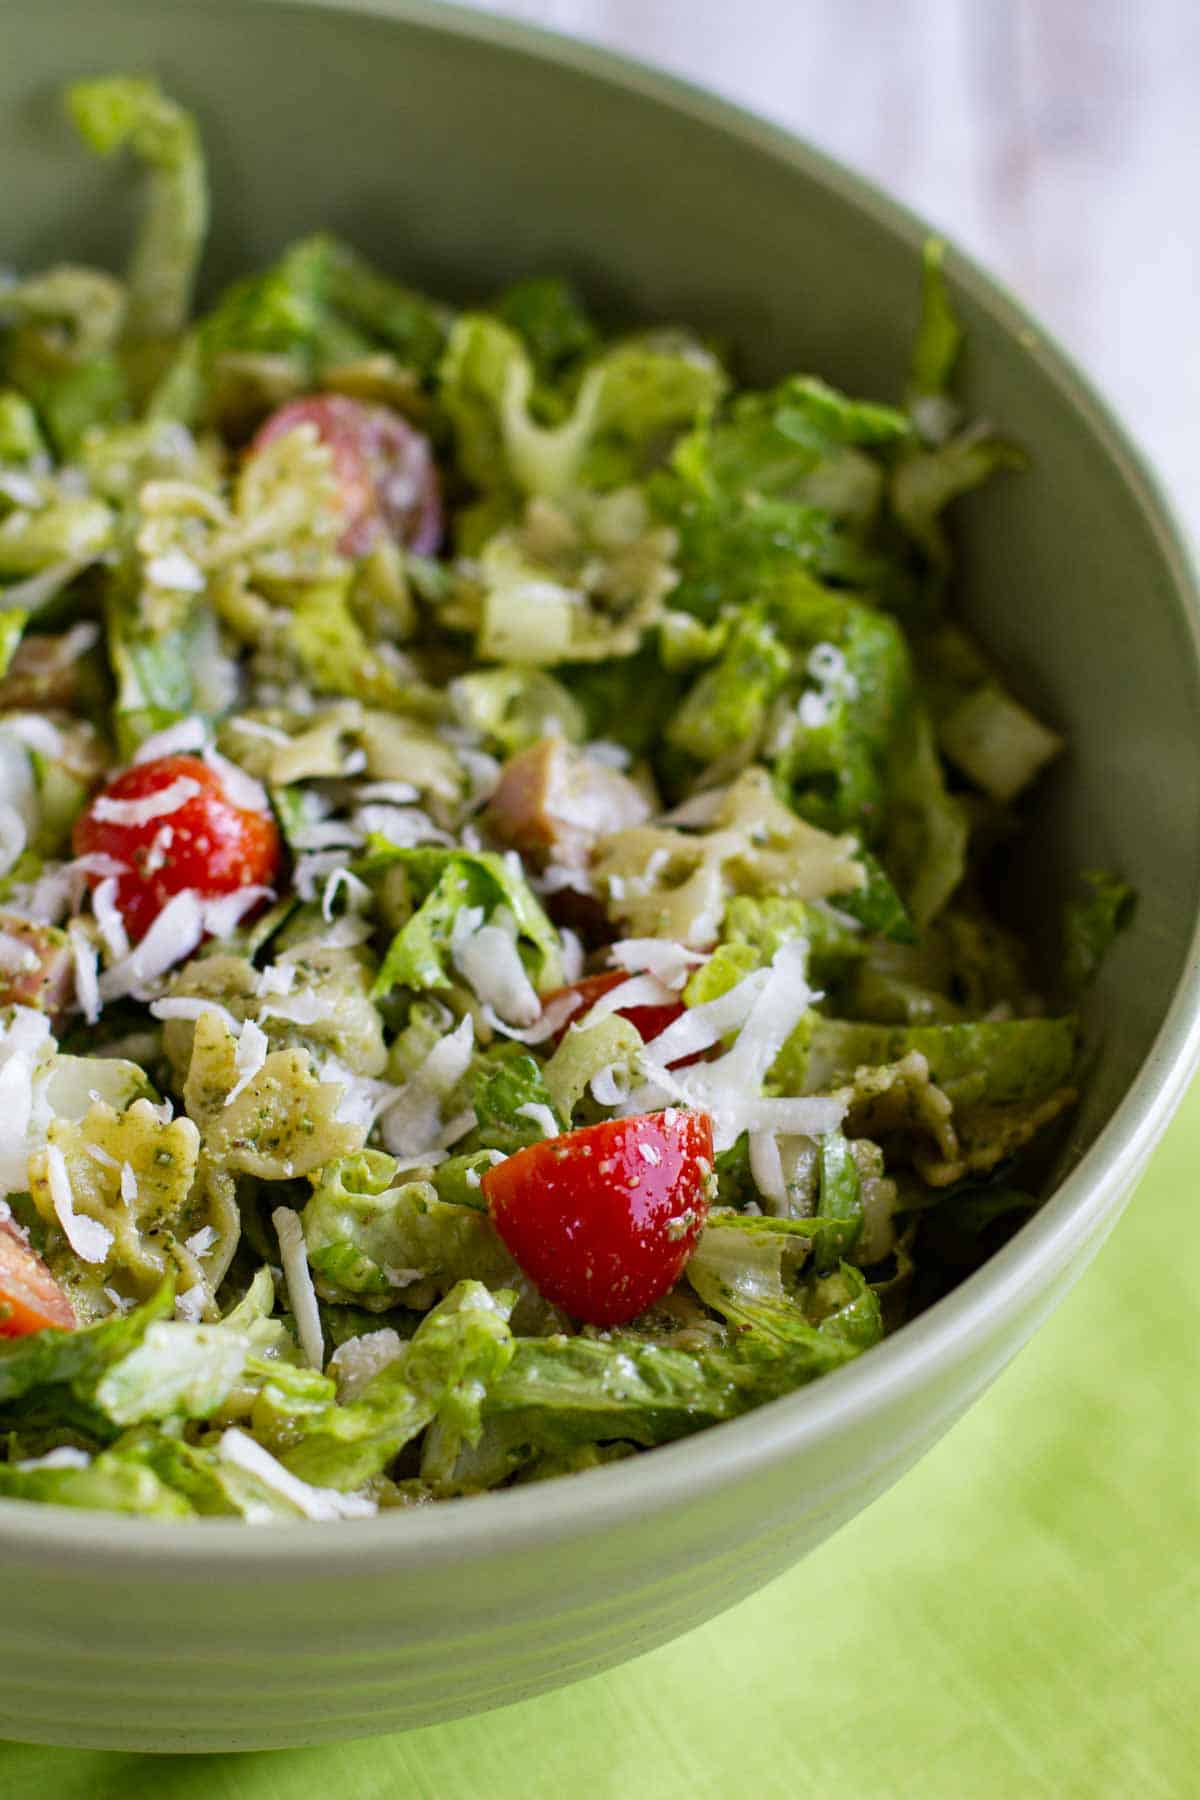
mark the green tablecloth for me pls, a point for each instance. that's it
(1021, 1616)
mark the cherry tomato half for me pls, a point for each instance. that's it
(385, 470)
(602, 1220)
(205, 843)
(30, 1298)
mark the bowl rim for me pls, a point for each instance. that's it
(1083, 1205)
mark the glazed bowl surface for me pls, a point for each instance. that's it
(462, 152)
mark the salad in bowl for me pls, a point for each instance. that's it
(496, 829)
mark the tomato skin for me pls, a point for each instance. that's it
(215, 847)
(30, 1298)
(601, 1230)
(647, 1021)
(384, 468)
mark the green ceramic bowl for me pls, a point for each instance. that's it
(464, 152)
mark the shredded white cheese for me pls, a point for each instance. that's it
(766, 1170)
(305, 1008)
(159, 805)
(607, 754)
(610, 1085)
(411, 1124)
(249, 1057)
(241, 790)
(395, 793)
(85, 962)
(156, 856)
(294, 1256)
(89, 1239)
(277, 978)
(730, 1088)
(639, 990)
(129, 1184)
(671, 963)
(223, 916)
(313, 868)
(109, 921)
(38, 733)
(201, 1242)
(356, 1361)
(174, 934)
(65, 1457)
(557, 878)
(313, 1502)
(487, 958)
(185, 1007)
(405, 826)
(700, 1027)
(556, 1014)
(175, 570)
(324, 834)
(190, 1305)
(357, 892)
(540, 1115)
(572, 954)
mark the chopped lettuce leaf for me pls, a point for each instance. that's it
(440, 884)
(1091, 924)
(128, 111)
(379, 1240)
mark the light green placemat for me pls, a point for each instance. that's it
(1018, 1618)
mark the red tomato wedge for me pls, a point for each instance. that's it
(205, 843)
(602, 1220)
(30, 1298)
(647, 1021)
(385, 470)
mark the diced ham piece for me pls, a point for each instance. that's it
(36, 966)
(553, 802)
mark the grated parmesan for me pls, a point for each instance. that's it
(89, 1239)
(671, 963)
(160, 805)
(248, 1058)
(174, 740)
(175, 933)
(293, 1254)
(539, 1114)
(241, 790)
(109, 921)
(487, 958)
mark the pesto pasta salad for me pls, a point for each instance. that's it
(495, 827)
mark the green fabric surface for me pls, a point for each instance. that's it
(1017, 1617)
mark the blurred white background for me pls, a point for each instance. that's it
(1057, 140)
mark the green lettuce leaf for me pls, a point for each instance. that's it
(444, 1373)
(128, 111)
(926, 840)
(75, 1361)
(502, 1089)
(993, 1060)
(547, 316)
(109, 1483)
(1091, 924)
(440, 884)
(377, 1239)
(631, 400)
